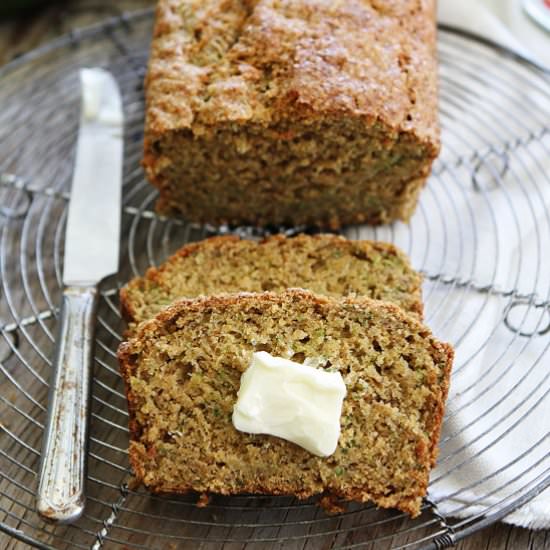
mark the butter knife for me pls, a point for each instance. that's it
(91, 254)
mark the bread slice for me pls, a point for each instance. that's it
(325, 264)
(182, 372)
(291, 111)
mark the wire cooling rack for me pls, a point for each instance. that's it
(480, 236)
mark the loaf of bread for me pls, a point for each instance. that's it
(182, 372)
(325, 264)
(291, 112)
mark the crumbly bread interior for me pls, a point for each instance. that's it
(333, 173)
(182, 371)
(325, 264)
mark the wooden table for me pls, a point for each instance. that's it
(20, 35)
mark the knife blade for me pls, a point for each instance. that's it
(92, 240)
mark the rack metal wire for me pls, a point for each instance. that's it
(489, 180)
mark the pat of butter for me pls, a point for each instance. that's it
(296, 402)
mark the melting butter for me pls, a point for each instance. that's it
(293, 401)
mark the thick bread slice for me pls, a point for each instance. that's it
(325, 264)
(182, 372)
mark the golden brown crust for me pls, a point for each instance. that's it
(167, 321)
(235, 76)
(373, 60)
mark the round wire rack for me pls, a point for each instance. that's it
(480, 237)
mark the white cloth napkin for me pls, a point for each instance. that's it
(496, 436)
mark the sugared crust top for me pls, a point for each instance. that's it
(262, 62)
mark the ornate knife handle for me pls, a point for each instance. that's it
(62, 475)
